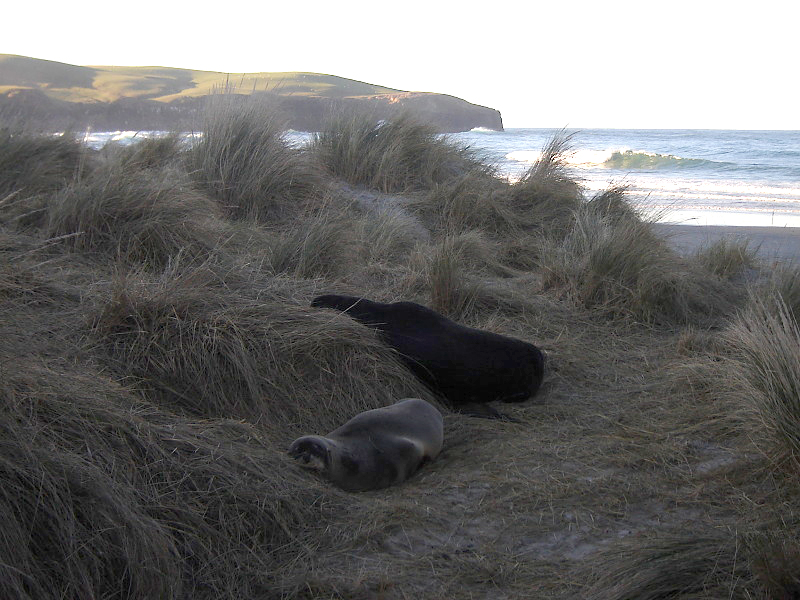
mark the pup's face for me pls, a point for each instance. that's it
(310, 454)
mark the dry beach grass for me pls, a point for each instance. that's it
(158, 354)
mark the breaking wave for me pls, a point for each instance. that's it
(630, 160)
(588, 158)
(624, 160)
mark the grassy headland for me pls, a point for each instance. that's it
(74, 83)
(158, 354)
(61, 96)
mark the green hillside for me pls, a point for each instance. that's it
(73, 83)
(58, 96)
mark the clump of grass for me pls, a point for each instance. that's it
(32, 164)
(547, 194)
(70, 531)
(245, 162)
(766, 338)
(453, 291)
(387, 234)
(265, 356)
(151, 152)
(784, 284)
(475, 201)
(390, 156)
(142, 216)
(23, 285)
(622, 266)
(613, 204)
(104, 495)
(702, 566)
(776, 554)
(317, 246)
(727, 257)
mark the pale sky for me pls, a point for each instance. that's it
(576, 63)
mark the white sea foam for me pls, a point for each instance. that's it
(589, 157)
(578, 158)
(98, 139)
(722, 190)
(524, 156)
(298, 138)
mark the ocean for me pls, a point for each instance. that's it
(696, 177)
(700, 177)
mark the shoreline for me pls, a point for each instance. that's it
(772, 243)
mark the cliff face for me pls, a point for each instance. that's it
(60, 96)
(446, 113)
(449, 113)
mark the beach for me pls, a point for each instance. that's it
(772, 243)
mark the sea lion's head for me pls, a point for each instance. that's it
(311, 452)
(362, 310)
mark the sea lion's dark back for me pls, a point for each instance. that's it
(461, 363)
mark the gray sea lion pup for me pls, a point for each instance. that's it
(466, 366)
(376, 448)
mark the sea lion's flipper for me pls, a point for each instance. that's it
(482, 411)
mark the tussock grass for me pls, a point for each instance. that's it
(474, 250)
(612, 203)
(390, 156)
(784, 284)
(318, 245)
(452, 292)
(767, 370)
(131, 501)
(700, 566)
(450, 275)
(775, 556)
(76, 545)
(142, 216)
(622, 266)
(214, 353)
(727, 257)
(32, 164)
(15, 280)
(461, 276)
(540, 206)
(244, 161)
(475, 201)
(547, 194)
(151, 152)
(387, 234)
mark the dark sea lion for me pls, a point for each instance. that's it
(466, 366)
(376, 448)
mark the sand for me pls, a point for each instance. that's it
(773, 243)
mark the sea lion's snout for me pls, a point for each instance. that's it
(310, 453)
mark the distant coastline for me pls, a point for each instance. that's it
(57, 95)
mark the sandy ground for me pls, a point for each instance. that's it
(773, 243)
